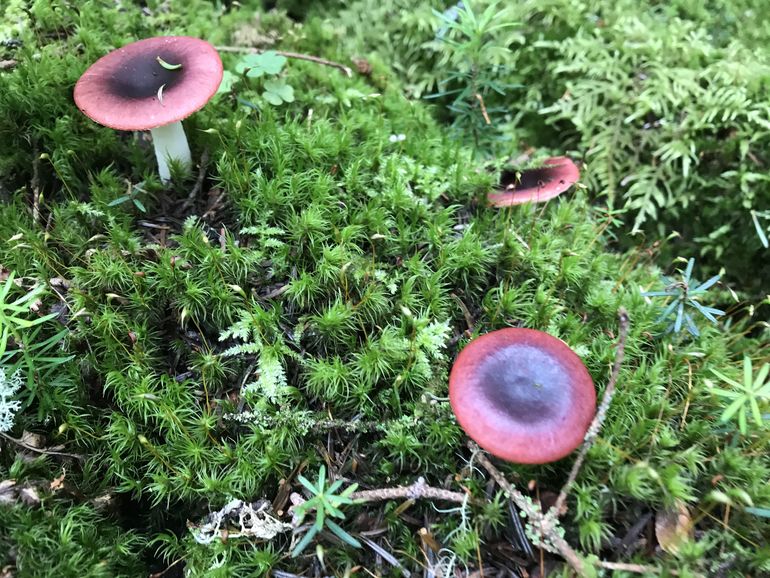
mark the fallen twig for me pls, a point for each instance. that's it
(601, 414)
(296, 55)
(40, 450)
(552, 540)
(417, 490)
(637, 568)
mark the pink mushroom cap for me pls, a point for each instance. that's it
(522, 395)
(120, 90)
(536, 185)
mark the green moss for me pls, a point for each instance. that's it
(304, 308)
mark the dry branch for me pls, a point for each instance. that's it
(601, 414)
(416, 491)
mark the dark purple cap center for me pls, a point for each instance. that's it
(524, 383)
(142, 75)
(529, 179)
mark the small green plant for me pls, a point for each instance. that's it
(684, 295)
(131, 195)
(264, 64)
(755, 216)
(326, 504)
(745, 398)
(473, 48)
(13, 321)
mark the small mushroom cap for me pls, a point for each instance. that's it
(522, 395)
(556, 175)
(120, 90)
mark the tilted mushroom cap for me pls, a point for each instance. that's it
(523, 395)
(556, 175)
(121, 90)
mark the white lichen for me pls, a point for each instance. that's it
(9, 386)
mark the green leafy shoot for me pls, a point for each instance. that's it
(13, 313)
(326, 504)
(745, 397)
(131, 195)
(685, 294)
(758, 226)
(473, 49)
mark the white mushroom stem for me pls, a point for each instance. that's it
(170, 145)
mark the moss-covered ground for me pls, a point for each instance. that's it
(295, 304)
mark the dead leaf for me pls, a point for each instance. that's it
(32, 440)
(673, 527)
(57, 483)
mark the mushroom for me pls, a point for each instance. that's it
(556, 175)
(522, 395)
(152, 85)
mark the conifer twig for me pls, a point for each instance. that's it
(296, 55)
(601, 414)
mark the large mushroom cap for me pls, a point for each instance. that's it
(556, 175)
(522, 395)
(121, 89)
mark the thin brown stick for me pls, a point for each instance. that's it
(416, 491)
(636, 568)
(483, 108)
(35, 184)
(532, 511)
(466, 312)
(296, 55)
(518, 498)
(601, 414)
(40, 450)
(214, 206)
(195, 191)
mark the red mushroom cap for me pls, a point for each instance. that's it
(120, 90)
(556, 175)
(522, 395)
